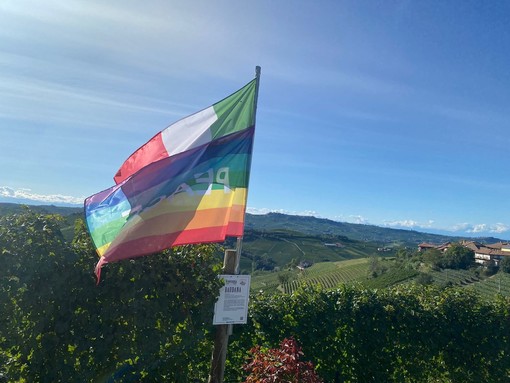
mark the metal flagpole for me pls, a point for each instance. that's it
(239, 244)
(231, 262)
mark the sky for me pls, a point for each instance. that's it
(391, 113)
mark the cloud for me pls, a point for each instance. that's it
(464, 226)
(27, 194)
(482, 227)
(499, 228)
(17, 92)
(357, 219)
(409, 224)
(171, 38)
(495, 228)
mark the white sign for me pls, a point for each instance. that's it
(232, 305)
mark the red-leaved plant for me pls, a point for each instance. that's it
(280, 365)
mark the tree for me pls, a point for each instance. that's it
(283, 277)
(458, 257)
(434, 258)
(504, 264)
(405, 254)
(490, 268)
(375, 267)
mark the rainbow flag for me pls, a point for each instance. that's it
(186, 185)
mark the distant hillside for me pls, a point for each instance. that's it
(372, 233)
(266, 250)
(12, 208)
(69, 213)
(304, 225)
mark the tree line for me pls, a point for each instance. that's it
(149, 320)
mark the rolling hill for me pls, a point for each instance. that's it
(275, 240)
(321, 226)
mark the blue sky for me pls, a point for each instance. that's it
(393, 113)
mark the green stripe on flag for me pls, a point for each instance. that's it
(236, 112)
(107, 233)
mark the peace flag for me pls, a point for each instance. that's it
(186, 185)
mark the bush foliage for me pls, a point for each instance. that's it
(148, 318)
(408, 333)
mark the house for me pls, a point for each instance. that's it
(445, 246)
(484, 254)
(304, 265)
(427, 246)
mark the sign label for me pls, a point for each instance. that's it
(232, 304)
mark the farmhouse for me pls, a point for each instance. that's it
(484, 254)
(304, 265)
(427, 246)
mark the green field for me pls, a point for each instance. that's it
(454, 277)
(497, 284)
(332, 274)
(390, 278)
(284, 247)
(326, 274)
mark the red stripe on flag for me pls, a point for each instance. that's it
(154, 150)
(235, 229)
(153, 244)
